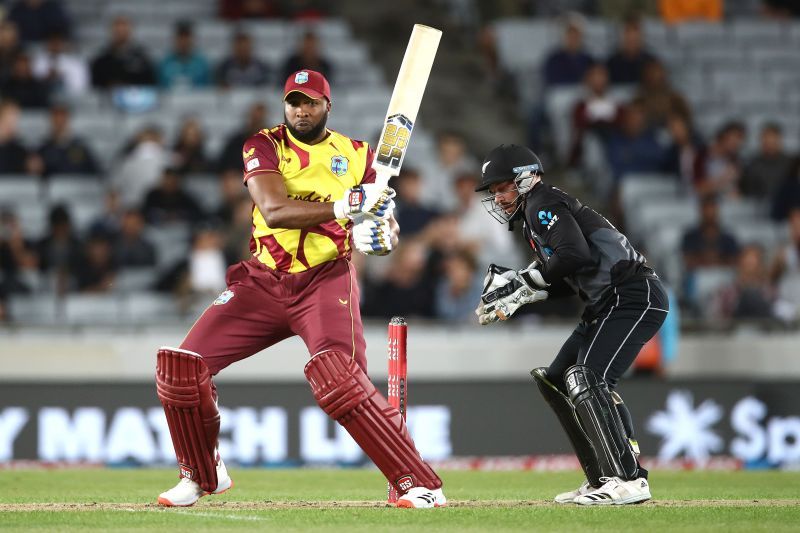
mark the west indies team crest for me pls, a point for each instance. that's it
(339, 165)
(224, 298)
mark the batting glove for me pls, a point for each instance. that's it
(368, 200)
(373, 237)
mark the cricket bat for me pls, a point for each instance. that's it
(404, 105)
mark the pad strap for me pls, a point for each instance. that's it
(565, 413)
(184, 387)
(600, 419)
(347, 395)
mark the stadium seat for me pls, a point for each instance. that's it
(135, 279)
(143, 308)
(19, 190)
(707, 282)
(75, 188)
(92, 309)
(206, 189)
(36, 309)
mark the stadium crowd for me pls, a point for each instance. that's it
(447, 238)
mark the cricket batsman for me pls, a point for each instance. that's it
(314, 198)
(577, 251)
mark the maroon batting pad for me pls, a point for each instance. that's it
(348, 396)
(184, 388)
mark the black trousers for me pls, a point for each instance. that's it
(609, 344)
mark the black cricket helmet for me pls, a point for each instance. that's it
(508, 162)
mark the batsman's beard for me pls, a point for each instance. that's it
(311, 134)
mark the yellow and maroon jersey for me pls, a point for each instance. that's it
(313, 173)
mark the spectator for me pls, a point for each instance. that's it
(22, 87)
(750, 296)
(237, 236)
(453, 159)
(207, 262)
(62, 70)
(242, 68)
(59, 251)
(141, 167)
(184, 67)
(232, 193)
(36, 19)
(499, 78)
(62, 152)
(189, 154)
(95, 270)
(626, 64)
(597, 112)
(658, 97)
(460, 288)
(109, 222)
(13, 155)
(122, 62)
(16, 254)
(634, 147)
(231, 156)
(406, 290)
(250, 9)
(787, 196)
(307, 56)
(677, 11)
(131, 248)
(409, 211)
(708, 244)
(9, 48)
(785, 270)
(720, 164)
(683, 154)
(485, 241)
(169, 202)
(765, 171)
(568, 64)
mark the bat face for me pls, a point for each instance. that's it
(393, 142)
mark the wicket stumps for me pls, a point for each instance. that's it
(398, 370)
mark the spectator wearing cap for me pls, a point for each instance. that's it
(185, 66)
(36, 19)
(567, 64)
(62, 152)
(626, 63)
(308, 56)
(64, 71)
(766, 170)
(122, 62)
(241, 68)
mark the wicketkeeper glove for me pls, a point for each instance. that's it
(373, 237)
(368, 200)
(506, 290)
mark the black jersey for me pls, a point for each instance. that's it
(576, 244)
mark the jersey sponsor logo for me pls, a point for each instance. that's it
(186, 472)
(301, 77)
(339, 165)
(253, 163)
(547, 218)
(249, 152)
(224, 298)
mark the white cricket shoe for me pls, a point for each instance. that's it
(187, 492)
(422, 498)
(615, 491)
(569, 497)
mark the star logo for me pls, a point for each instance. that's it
(343, 302)
(687, 430)
(248, 153)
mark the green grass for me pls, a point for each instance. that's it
(267, 500)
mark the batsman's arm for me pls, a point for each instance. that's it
(268, 191)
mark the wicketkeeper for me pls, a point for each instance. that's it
(577, 251)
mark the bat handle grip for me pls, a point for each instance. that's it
(382, 177)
